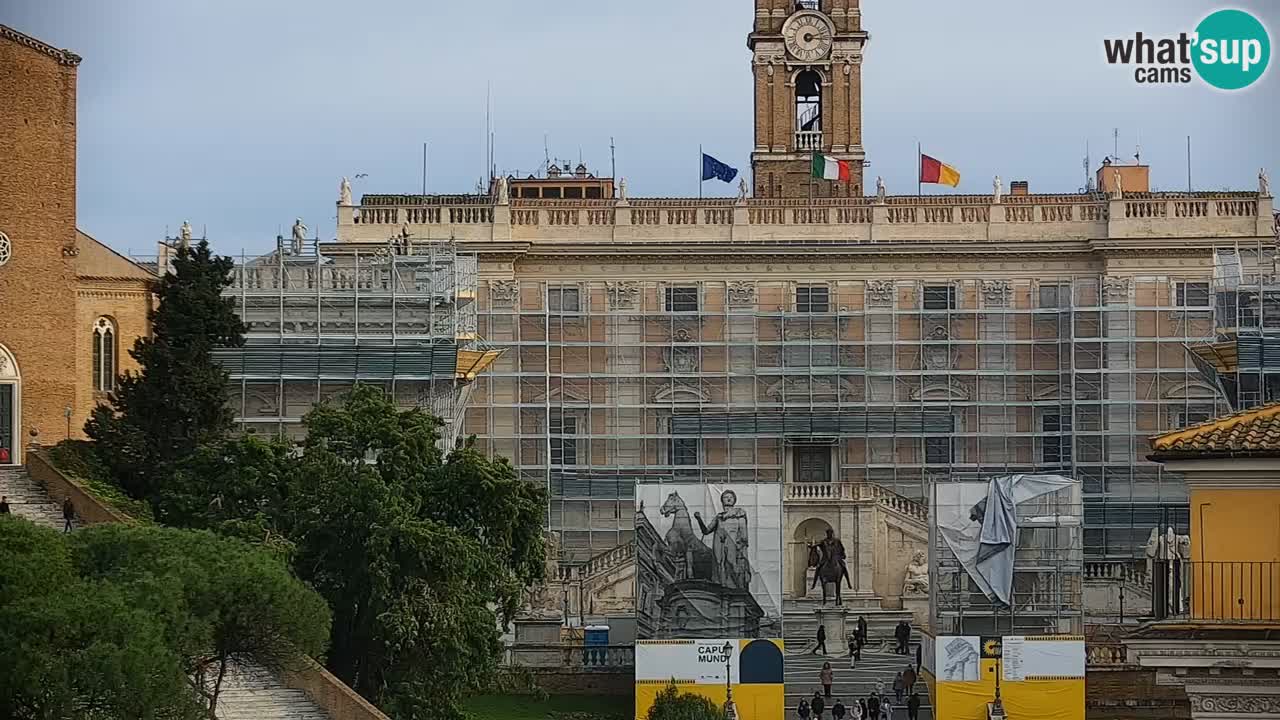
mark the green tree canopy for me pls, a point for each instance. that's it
(126, 622)
(671, 704)
(419, 555)
(178, 400)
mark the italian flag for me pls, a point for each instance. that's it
(829, 168)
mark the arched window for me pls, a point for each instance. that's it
(809, 102)
(104, 355)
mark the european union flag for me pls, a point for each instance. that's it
(713, 169)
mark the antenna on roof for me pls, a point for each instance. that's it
(1115, 144)
(1088, 163)
(1188, 163)
(546, 154)
(1137, 152)
(613, 159)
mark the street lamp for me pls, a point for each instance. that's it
(730, 712)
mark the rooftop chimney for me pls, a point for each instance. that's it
(1019, 187)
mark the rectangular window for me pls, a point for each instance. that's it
(551, 193)
(939, 297)
(1057, 448)
(573, 193)
(682, 299)
(1192, 294)
(563, 300)
(938, 451)
(812, 464)
(684, 451)
(1055, 296)
(564, 441)
(813, 299)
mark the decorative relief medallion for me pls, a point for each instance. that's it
(623, 295)
(880, 293)
(996, 292)
(1115, 289)
(742, 292)
(504, 291)
(6, 250)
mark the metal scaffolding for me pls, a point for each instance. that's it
(901, 383)
(320, 317)
(1047, 596)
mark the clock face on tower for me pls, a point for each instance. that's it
(808, 36)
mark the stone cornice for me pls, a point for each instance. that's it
(64, 57)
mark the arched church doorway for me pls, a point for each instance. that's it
(809, 532)
(10, 409)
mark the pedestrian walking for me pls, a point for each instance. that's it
(906, 637)
(837, 710)
(827, 675)
(908, 680)
(887, 708)
(821, 647)
(68, 514)
(918, 658)
(862, 708)
(855, 710)
(803, 709)
(873, 707)
(898, 687)
(862, 629)
(817, 705)
(4, 505)
(913, 707)
(853, 652)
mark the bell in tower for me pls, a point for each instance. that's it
(807, 63)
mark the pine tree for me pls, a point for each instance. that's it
(178, 401)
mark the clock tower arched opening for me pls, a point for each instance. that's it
(807, 63)
(808, 110)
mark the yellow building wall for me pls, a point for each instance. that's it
(753, 702)
(1232, 533)
(1041, 699)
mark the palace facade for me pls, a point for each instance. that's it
(855, 348)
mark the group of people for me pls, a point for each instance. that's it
(68, 512)
(875, 706)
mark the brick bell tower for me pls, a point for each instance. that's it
(807, 62)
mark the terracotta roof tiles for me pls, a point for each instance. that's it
(1254, 432)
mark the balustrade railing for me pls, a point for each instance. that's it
(580, 657)
(895, 210)
(1108, 654)
(808, 140)
(868, 492)
(1234, 592)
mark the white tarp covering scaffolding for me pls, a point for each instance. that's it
(979, 522)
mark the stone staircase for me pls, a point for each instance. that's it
(249, 693)
(28, 500)
(800, 626)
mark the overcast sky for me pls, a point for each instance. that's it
(240, 115)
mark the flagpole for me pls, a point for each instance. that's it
(919, 168)
(699, 172)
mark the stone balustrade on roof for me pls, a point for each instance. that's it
(1136, 220)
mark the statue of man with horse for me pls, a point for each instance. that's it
(828, 557)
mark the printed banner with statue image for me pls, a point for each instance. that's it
(708, 560)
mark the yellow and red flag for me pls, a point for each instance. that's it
(933, 170)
